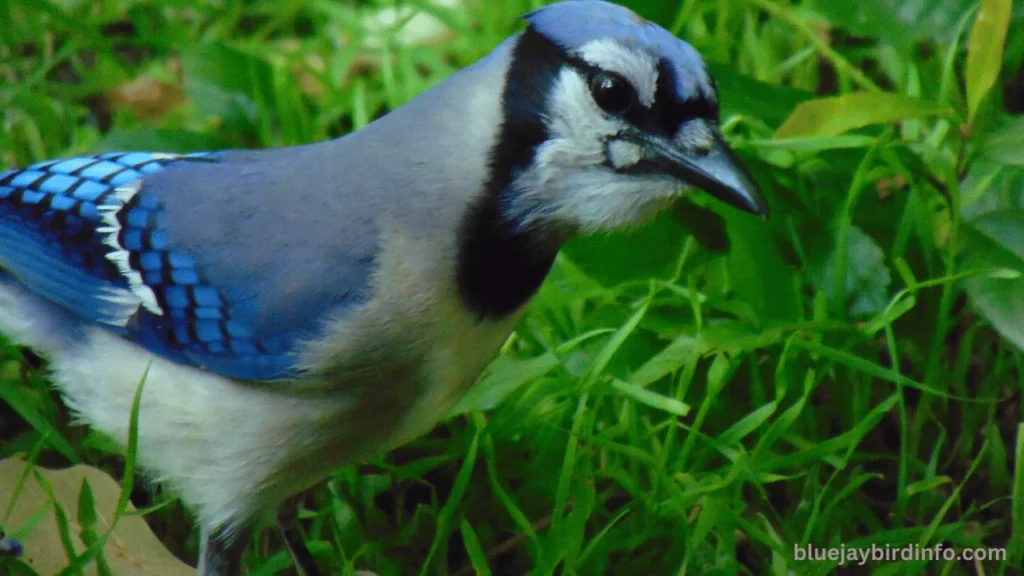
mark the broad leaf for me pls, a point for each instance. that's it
(747, 96)
(226, 83)
(866, 290)
(133, 549)
(647, 252)
(985, 51)
(996, 240)
(1005, 144)
(758, 272)
(838, 114)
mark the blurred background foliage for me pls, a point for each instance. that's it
(698, 397)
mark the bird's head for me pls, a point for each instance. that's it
(608, 118)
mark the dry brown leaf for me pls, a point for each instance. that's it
(420, 28)
(147, 97)
(132, 550)
(306, 73)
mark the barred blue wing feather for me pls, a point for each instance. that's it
(83, 233)
(51, 239)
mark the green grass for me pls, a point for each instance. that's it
(848, 372)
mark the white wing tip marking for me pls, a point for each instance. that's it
(128, 191)
(125, 303)
(118, 255)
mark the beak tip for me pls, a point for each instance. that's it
(760, 208)
(748, 198)
(735, 184)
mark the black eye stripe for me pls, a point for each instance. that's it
(670, 113)
(666, 113)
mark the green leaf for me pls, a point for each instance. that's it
(711, 515)
(895, 22)
(96, 548)
(455, 497)
(647, 252)
(26, 407)
(1017, 498)
(87, 520)
(652, 399)
(736, 338)
(835, 115)
(991, 185)
(985, 51)
(999, 460)
(597, 367)
(668, 360)
(504, 376)
(867, 276)
(805, 145)
(847, 441)
(928, 484)
(747, 96)
(1005, 144)
(226, 83)
(477, 556)
(105, 74)
(996, 240)
(757, 270)
(747, 425)
(101, 443)
(87, 511)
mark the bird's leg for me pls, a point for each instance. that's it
(220, 552)
(287, 524)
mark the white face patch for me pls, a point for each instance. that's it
(569, 182)
(623, 154)
(636, 66)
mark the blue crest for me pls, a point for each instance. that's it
(575, 23)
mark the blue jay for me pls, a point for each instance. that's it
(296, 309)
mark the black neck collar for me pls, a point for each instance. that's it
(500, 265)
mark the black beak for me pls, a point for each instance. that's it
(718, 172)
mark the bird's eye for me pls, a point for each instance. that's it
(612, 92)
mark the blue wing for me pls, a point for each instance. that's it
(91, 234)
